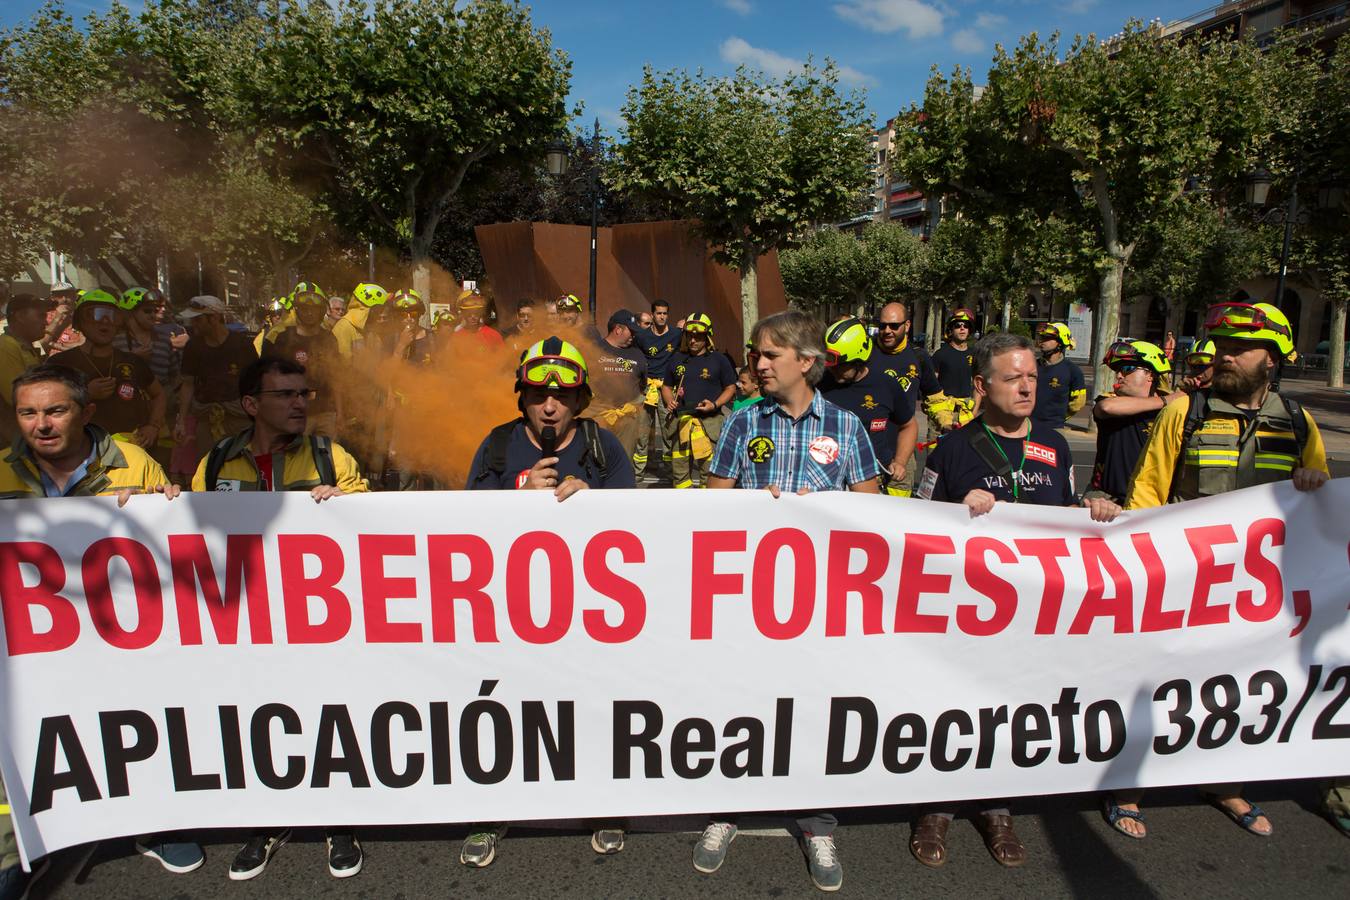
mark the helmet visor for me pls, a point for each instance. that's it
(1241, 317)
(543, 371)
(1123, 352)
(311, 297)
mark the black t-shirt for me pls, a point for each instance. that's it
(522, 454)
(657, 348)
(317, 353)
(617, 375)
(910, 368)
(696, 378)
(1120, 440)
(879, 403)
(954, 369)
(129, 406)
(1054, 384)
(955, 467)
(215, 370)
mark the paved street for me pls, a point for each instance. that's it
(1192, 851)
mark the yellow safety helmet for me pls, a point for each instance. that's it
(98, 295)
(306, 292)
(1202, 354)
(961, 314)
(552, 363)
(368, 294)
(135, 296)
(278, 305)
(847, 341)
(1138, 353)
(697, 323)
(1057, 331)
(1251, 322)
(568, 302)
(408, 300)
(472, 300)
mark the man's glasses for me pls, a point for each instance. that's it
(891, 326)
(289, 394)
(960, 325)
(1126, 369)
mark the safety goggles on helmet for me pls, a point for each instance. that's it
(1251, 322)
(547, 371)
(698, 323)
(961, 317)
(473, 301)
(407, 301)
(306, 292)
(568, 303)
(1057, 331)
(1202, 355)
(847, 341)
(1135, 354)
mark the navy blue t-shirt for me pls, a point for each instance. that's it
(955, 468)
(879, 403)
(953, 368)
(1120, 441)
(657, 348)
(700, 377)
(911, 369)
(522, 454)
(1054, 384)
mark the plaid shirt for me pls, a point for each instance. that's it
(825, 450)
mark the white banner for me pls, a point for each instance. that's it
(257, 660)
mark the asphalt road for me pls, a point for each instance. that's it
(1191, 851)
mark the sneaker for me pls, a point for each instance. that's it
(480, 848)
(344, 854)
(253, 857)
(607, 840)
(711, 850)
(827, 872)
(177, 857)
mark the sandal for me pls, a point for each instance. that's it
(1246, 821)
(928, 840)
(1114, 813)
(1001, 841)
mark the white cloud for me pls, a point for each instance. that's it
(989, 21)
(738, 52)
(967, 41)
(740, 7)
(889, 16)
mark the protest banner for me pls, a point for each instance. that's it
(259, 660)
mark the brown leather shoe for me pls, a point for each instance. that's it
(1003, 843)
(928, 840)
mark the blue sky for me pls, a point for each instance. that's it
(884, 46)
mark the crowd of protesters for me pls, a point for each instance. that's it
(121, 394)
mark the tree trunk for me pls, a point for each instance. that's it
(1336, 345)
(749, 293)
(1007, 311)
(1106, 321)
(932, 326)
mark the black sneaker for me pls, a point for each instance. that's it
(344, 854)
(253, 857)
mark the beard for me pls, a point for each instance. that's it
(1235, 384)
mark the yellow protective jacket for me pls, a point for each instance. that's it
(299, 472)
(1226, 452)
(116, 465)
(270, 333)
(351, 329)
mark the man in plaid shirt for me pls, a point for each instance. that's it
(794, 439)
(791, 440)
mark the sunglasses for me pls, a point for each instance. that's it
(103, 314)
(891, 326)
(1126, 369)
(289, 394)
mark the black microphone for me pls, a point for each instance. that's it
(548, 442)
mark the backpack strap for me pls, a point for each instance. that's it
(215, 461)
(594, 449)
(1195, 416)
(494, 456)
(981, 443)
(322, 448)
(1298, 422)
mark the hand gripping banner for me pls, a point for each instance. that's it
(260, 660)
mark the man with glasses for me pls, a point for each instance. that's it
(894, 356)
(1125, 414)
(273, 454)
(215, 356)
(697, 385)
(953, 363)
(129, 400)
(1060, 390)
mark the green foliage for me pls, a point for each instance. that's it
(756, 162)
(834, 271)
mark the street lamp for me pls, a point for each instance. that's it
(556, 158)
(1289, 215)
(1258, 187)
